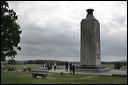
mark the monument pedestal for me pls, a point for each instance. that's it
(91, 68)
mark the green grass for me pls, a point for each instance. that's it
(56, 78)
(28, 65)
(111, 66)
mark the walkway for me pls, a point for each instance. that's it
(89, 73)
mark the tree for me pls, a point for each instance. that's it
(12, 62)
(10, 32)
(117, 65)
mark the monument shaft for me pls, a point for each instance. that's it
(90, 41)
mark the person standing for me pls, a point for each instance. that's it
(54, 66)
(70, 68)
(73, 68)
(66, 66)
(45, 65)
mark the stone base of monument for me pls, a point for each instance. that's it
(89, 68)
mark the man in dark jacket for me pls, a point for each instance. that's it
(70, 68)
(66, 66)
(73, 68)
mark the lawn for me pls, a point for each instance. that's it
(111, 66)
(56, 78)
(28, 65)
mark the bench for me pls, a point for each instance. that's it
(43, 72)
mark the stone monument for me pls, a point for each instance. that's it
(90, 40)
(90, 52)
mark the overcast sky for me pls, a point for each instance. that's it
(51, 29)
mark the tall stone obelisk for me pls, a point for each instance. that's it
(90, 41)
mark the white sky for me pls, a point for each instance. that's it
(51, 29)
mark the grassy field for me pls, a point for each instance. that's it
(111, 66)
(28, 65)
(56, 78)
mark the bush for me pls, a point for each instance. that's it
(117, 66)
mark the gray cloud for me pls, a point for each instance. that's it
(52, 29)
(114, 37)
(49, 35)
(48, 42)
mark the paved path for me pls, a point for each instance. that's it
(89, 73)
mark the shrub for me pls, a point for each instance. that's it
(117, 66)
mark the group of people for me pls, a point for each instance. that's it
(68, 67)
(48, 66)
(71, 67)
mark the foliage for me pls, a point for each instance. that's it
(12, 62)
(39, 62)
(10, 32)
(30, 62)
(117, 66)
